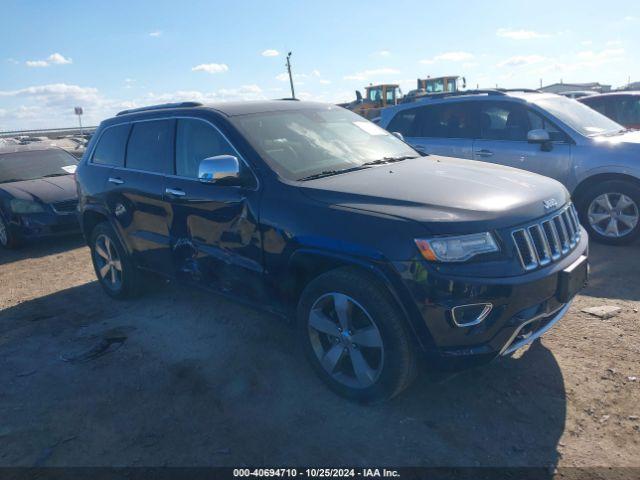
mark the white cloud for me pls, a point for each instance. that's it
(586, 42)
(449, 57)
(270, 53)
(381, 53)
(155, 33)
(53, 59)
(211, 68)
(520, 34)
(590, 58)
(36, 63)
(325, 82)
(366, 74)
(57, 59)
(614, 43)
(520, 60)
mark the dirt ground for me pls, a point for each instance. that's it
(188, 378)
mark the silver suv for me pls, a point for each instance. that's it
(597, 159)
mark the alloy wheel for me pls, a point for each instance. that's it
(613, 215)
(346, 340)
(108, 262)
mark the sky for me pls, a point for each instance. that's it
(106, 56)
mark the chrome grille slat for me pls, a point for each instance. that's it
(546, 241)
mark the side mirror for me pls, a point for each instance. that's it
(398, 134)
(541, 137)
(224, 168)
(358, 96)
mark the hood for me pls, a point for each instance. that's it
(447, 195)
(629, 137)
(45, 190)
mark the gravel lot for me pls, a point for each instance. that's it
(187, 378)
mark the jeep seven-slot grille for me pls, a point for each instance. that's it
(548, 240)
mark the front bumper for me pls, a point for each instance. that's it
(524, 308)
(45, 224)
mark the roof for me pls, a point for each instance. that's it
(619, 92)
(231, 109)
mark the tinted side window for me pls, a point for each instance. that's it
(537, 121)
(503, 121)
(627, 110)
(447, 120)
(403, 122)
(151, 146)
(195, 141)
(110, 148)
(597, 104)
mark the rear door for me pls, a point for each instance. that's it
(213, 227)
(135, 193)
(439, 129)
(502, 139)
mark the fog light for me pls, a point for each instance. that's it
(469, 315)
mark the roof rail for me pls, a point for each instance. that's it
(524, 90)
(160, 107)
(460, 93)
(291, 99)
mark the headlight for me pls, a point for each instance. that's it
(456, 249)
(25, 206)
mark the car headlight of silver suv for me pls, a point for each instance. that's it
(25, 206)
(457, 248)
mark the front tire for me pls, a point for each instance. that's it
(114, 268)
(610, 212)
(356, 336)
(8, 239)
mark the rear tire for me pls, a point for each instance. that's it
(364, 353)
(610, 212)
(114, 268)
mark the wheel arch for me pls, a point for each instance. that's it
(307, 264)
(586, 184)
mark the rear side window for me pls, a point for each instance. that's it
(111, 146)
(403, 122)
(447, 120)
(151, 146)
(195, 141)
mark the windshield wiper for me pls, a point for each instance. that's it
(328, 173)
(384, 160)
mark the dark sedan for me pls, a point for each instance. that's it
(37, 193)
(622, 107)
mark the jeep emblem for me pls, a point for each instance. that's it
(549, 204)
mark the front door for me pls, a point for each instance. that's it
(502, 139)
(214, 232)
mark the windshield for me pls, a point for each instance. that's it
(302, 143)
(29, 165)
(579, 117)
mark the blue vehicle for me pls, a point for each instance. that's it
(37, 194)
(593, 156)
(383, 259)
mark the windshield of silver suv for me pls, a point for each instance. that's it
(578, 116)
(302, 144)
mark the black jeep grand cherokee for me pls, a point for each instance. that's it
(385, 258)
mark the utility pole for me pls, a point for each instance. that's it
(78, 111)
(293, 93)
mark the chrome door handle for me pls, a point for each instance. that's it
(174, 192)
(484, 153)
(116, 180)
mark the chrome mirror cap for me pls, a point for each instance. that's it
(538, 135)
(220, 167)
(398, 135)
